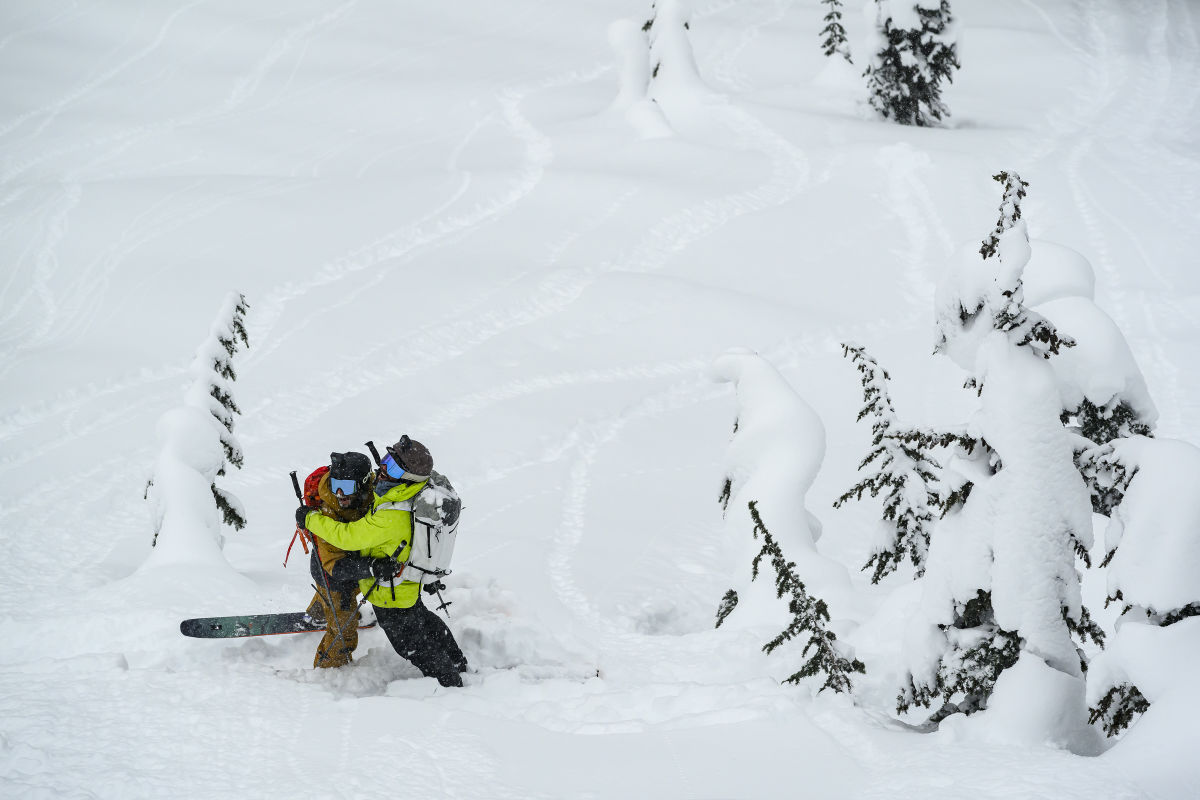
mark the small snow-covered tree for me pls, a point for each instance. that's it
(903, 470)
(775, 453)
(657, 69)
(197, 440)
(834, 41)
(916, 52)
(674, 75)
(1153, 550)
(1001, 585)
(214, 377)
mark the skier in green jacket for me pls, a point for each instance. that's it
(383, 539)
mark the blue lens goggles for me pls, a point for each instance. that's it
(346, 486)
(394, 470)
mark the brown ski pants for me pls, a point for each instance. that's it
(340, 609)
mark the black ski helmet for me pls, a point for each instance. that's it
(413, 456)
(349, 466)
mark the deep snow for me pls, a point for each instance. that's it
(452, 221)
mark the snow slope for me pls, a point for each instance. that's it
(445, 228)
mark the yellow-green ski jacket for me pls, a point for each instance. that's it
(378, 534)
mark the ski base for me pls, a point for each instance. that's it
(254, 625)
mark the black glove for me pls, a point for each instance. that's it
(351, 568)
(434, 588)
(384, 569)
(301, 513)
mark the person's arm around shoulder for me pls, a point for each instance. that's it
(358, 535)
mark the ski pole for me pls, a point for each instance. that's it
(375, 453)
(299, 530)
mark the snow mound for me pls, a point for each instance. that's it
(1100, 367)
(1033, 704)
(1156, 528)
(1055, 271)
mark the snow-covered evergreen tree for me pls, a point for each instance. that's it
(834, 41)
(197, 440)
(656, 68)
(916, 52)
(775, 453)
(1102, 391)
(1001, 586)
(673, 72)
(1153, 551)
(214, 377)
(903, 470)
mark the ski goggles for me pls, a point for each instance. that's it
(398, 473)
(346, 486)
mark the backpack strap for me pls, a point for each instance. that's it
(402, 505)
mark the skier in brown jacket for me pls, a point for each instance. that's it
(345, 492)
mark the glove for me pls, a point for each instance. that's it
(434, 588)
(384, 568)
(352, 567)
(301, 513)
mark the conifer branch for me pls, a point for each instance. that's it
(1107, 479)
(1010, 211)
(1083, 629)
(1102, 424)
(904, 471)
(727, 605)
(970, 668)
(835, 34)
(1118, 708)
(230, 513)
(808, 615)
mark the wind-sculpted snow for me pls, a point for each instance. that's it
(1154, 531)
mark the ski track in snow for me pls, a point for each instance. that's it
(1139, 106)
(585, 443)
(723, 64)
(41, 569)
(79, 295)
(68, 313)
(439, 227)
(114, 144)
(45, 265)
(911, 204)
(439, 344)
(246, 86)
(62, 16)
(50, 113)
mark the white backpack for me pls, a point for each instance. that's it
(435, 511)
